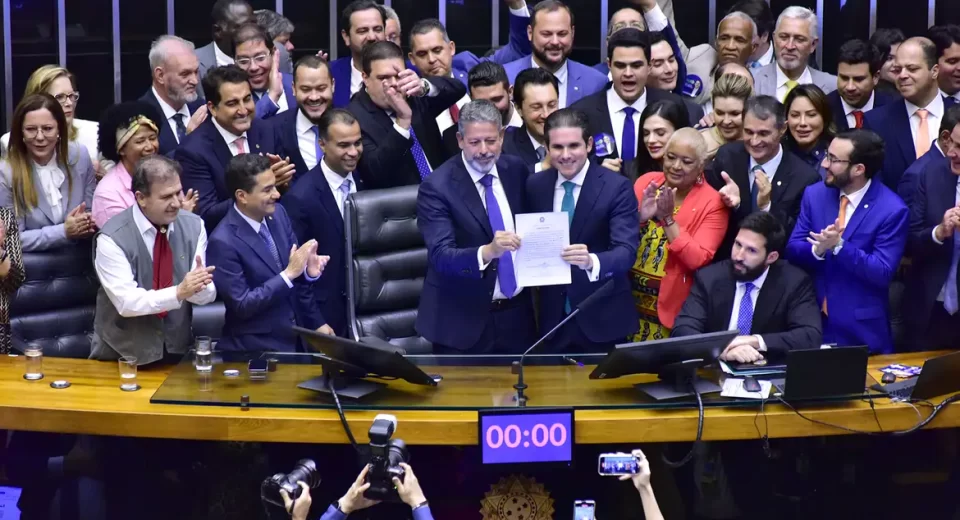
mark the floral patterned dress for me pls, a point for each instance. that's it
(645, 278)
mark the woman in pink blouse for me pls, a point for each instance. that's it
(128, 133)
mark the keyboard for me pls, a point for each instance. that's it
(901, 389)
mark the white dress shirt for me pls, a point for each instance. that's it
(307, 140)
(849, 109)
(935, 111)
(231, 139)
(445, 119)
(256, 229)
(782, 89)
(505, 213)
(955, 96)
(222, 57)
(769, 169)
(539, 166)
(334, 180)
(558, 193)
(767, 57)
(618, 117)
(51, 179)
(116, 275)
(356, 78)
(169, 113)
(562, 75)
(754, 296)
(853, 202)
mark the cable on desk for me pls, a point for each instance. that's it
(696, 443)
(343, 418)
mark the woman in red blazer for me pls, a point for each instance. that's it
(682, 222)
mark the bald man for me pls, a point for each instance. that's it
(174, 91)
(735, 43)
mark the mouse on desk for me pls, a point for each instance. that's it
(888, 378)
(750, 384)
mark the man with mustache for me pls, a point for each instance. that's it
(735, 42)
(947, 40)
(536, 95)
(487, 80)
(255, 53)
(551, 35)
(362, 23)
(297, 131)
(471, 302)
(858, 72)
(227, 15)
(174, 91)
(795, 39)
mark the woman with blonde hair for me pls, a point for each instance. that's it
(729, 96)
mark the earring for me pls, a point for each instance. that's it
(700, 179)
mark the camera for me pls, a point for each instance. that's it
(306, 471)
(386, 454)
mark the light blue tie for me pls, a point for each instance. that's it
(316, 142)
(271, 245)
(745, 317)
(568, 205)
(344, 193)
(950, 300)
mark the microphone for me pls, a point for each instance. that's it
(603, 292)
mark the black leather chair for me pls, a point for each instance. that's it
(208, 320)
(386, 265)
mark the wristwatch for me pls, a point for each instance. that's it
(667, 221)
(421, 504)
(426, 86)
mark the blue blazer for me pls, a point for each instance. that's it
(284, 129)
(671, 36)
(260, 307)
(606, 220)
(167, 139)
(315, 215)
(456, 296)
(856, 281)
(581, 79)
(518, 47)
(204, 155)
(907, 186)
(266, 108)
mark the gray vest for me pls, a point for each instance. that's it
(145, 336)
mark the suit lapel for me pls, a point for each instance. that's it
(470, 197)
(948, 189)
(904, 138)
(741, 173)
(293, 140)
(781, 179)
(279, 239)
(866, 205)
(329, 202)
(725, 296)
(513, 187)
(42, 203)
(589, 193)
(246, 234)
(522, 140)
(767, 299)
(573, 88)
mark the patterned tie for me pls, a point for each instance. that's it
(858, 118)
(754, 191)
(239, 142)
(541, 153)
(181, 130)
(568, 205)
(344, 193)
(316, 142)
(419, 156)
(271, 245)
(505, 274)
(922, 144)
(629, 151)
(791, 84)
(162, 263)
(745, 316)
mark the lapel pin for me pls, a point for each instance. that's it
(576, 88)
(865, 206)
(779, 183)
(258, 146)
(181, 257)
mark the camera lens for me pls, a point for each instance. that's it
(398, 452)
(306, 471)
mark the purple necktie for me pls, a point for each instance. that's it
(505, 274)
(745, 317)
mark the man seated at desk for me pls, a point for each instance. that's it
(770, 302)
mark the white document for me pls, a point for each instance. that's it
(542, 239)
(733, 387)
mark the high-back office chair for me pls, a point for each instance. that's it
(386, 264)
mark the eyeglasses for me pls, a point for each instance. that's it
(31, 132)
(62, 98)
(259, 59)
(832, 159)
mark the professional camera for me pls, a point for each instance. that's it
(306, 471)
(385, 458)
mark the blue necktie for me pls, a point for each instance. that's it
(344, 194)
(271, 245)
(629, 149)
(316, 142)
(181, 130)
(505, 274)
(745, 317)
(753, 186)
(568, 205)
(950, 300)
(419, 156)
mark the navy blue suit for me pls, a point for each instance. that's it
(516, 142)
(260, 307)
(907, 186)
(606, 221)
(284, 128)
(456, 309)
(266, 108)
(167, 139)
(582, 80)
(204, 156)
(315, 215)
(880, 99)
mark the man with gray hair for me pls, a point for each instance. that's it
(150, 260)
(175, 71)
(795, 39)
(392, 27)
(471, 302)
(735, 43)
(280, 29)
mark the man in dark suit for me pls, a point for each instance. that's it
(930, 302)
(757, 174)
(858, 73)
(297, 132)
(488, 81)
(174, 91)
(255, 53)
(315, 205)
(602, 209)
(471, 301)
(850, 237)
(230, 130)
(397, 111)
(947, 40)
(664, 74)
(615, 111)
(535, 96)
(909, 125)
(263, 275)
(770, 302)
(362, 23)
(227, 15)
(907, 186)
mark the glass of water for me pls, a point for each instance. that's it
(128, 374)
(204, 359)
(34, 368)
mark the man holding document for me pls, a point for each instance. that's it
(471, 300)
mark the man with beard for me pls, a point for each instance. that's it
(850, 237)
(255, 53)
(362, 22)
(770, 302)
(488, 81)
(174, 91)
(297, 131)
(315, 205)
(947, 40)
(858, 72)
(551, 34)
(227, 15)
(795, 39)
(471, 302)
(535, 96)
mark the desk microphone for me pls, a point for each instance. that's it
(517, 368)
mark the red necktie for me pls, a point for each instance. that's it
(858, 117)
(455, 113)
(162, 263)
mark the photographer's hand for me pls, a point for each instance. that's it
(409, 488)
(301, 508)
(651, 510)
(354, 499)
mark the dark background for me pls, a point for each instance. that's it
(469, 22)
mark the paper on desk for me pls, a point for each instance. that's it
(542, 239)
(733, 387)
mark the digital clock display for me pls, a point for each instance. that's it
(517, 437)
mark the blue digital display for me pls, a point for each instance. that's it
(524, 437)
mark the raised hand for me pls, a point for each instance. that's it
(578, 255)
(666, 203)
(764, 188)
(298, 259)
(275, 84)
(409, 84)
(189, 201)
(648, 204)
(79, 223)
(613, 165)
(195, 280)
(398, 103)
(730, 192)
(199, 116)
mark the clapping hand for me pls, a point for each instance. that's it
(275, 80)
(826, 239)
(951, 222)
(648, 204)
(195, 280)
(730, 192)
(283, 169)
(299, 258)
(666, 202)
(315, 264)
(79, 223)
(764, 188)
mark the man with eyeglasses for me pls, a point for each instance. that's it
(849, 237)
(254, 53)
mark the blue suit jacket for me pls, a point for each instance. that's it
(315, 215)
(517, 143)
(907, 186)
(607, 222)
(204, 156)
(455, 301)
(266, 108)
(518, 47)
(856, 281)
(260, 307)
(581, 79)
(168, 140)
(284, 129)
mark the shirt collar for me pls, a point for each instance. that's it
(858, 195)
(770, 167)
(228, 136)
(304, 125)
(955, 96)
(168, 111)
(54, 164)
(868, 106)
(334, 179)
(474, 174)
(936, 142)
(804, 78)
(534, 141)
(253, 223)
(578, 179)
(144, 224)
(767, 57)
(221, 56)
(617, 104)
(934, 108)
(560, 74)
(758, 283)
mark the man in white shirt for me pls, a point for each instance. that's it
(362, 22)
(227, 15)
(947, 40)
(535, 97)
(150, 260)
(175, 72)
(796, 38)
(297, 131)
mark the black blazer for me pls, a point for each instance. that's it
(450, 143)
(288, 143)
(167, 139)
(836, 106)
(786, 314)
(387, 160)
(516, 142)
(792, 178)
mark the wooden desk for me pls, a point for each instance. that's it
(95, 405)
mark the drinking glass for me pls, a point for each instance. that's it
(204, 354)
(128, 374)
(34, 357)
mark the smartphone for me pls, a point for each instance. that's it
(584, 510)
(616, 464)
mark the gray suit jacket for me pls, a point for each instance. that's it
(40, 229)
(765, 80)
(208, 60)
